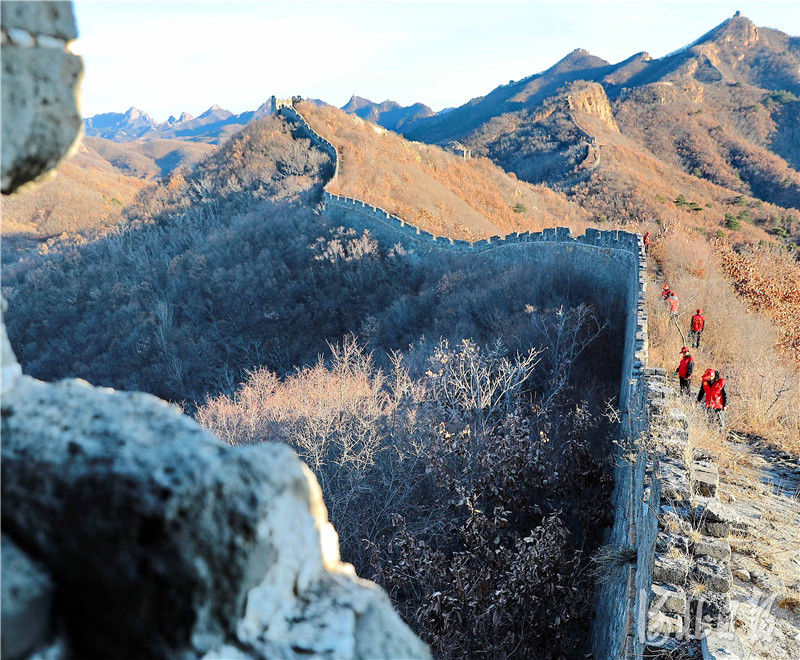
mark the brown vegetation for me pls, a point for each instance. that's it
(469, 486)
(430, 187)
(763, 385)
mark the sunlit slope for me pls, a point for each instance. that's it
(435, 189)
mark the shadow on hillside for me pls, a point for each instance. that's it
(234, 268)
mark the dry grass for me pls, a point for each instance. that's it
(85, 192)
(763, 387)
(433, 188)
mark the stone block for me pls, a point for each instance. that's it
(714, 518)
(713, 548)
(713, 574)
(670, 567)
(667, 541)
(705, 479)
(660, 624)
(40, 119)
(192, 541)
(667, 598)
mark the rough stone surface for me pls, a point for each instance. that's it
(714, 518)
(669, 598)
(741, 574)
(671, 568)
(196, 543)
(714, 574)
(719, 549)
(40, 117)
(27, 597)
(705, 479)
(722, 646)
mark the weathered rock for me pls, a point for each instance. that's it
(705, 479)
(27, 592)
(714, 518)
(668, 598)
(196, 544)
(660, 624)
(670, 567)
(719, 549)
(741, 574)
(714, 574)
(40, 118)
(718, 645)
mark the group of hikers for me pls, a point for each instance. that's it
(712, 385)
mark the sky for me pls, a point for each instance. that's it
(170, 57)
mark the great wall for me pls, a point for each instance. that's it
(670, 529)
(130, 531)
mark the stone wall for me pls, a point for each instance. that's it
(615, 263)
(643, 605)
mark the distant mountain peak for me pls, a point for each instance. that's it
(580, 58)
(737, 30)
(134, 113)
(356, 103)
(216, 110)
(185, 116)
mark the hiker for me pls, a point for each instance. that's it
(665, 292)
(647, 242)
(672, 305)
(696, 328)
(712, 386)
(685, 370)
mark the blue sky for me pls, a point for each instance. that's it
(169, 57)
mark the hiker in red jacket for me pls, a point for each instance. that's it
(712, 387)
(685, 370)
(672, 305)
(647, 242)
(696, 328)
(665, 292)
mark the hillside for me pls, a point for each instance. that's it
(89, 192)
(723, 109)
(437, 190)
(85, 194)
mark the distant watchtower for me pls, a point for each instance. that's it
(457, 148)
(276, 104)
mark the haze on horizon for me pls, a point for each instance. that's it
(165, 58)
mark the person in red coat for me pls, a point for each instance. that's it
(696, 328)
(647, 242)
(712, 387)
(665, 292)
(672, 305)
(685, 370)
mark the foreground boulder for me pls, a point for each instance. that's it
(40, 118)
(163, 542)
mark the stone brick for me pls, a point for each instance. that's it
(671, 568)
(668, 598)
(714, 574)
(705, 479)
(713, 548)
(714, 518)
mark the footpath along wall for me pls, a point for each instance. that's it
(659, 503)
